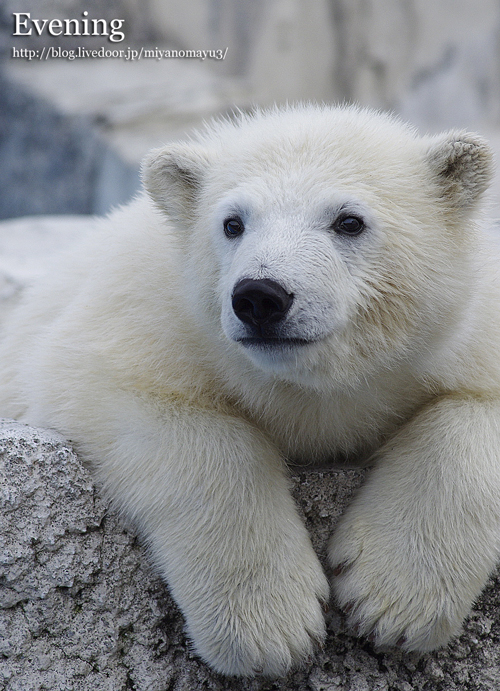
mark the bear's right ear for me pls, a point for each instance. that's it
(173, 176)
(462, 163)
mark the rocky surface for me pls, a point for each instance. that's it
(81, 609)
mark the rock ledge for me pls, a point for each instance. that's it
(81, 609)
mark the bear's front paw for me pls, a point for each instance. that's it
(263, 624)
(396, 589)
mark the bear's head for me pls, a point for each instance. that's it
(324, 242)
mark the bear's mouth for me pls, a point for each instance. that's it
(267, 342)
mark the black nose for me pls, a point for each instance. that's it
(260, 302)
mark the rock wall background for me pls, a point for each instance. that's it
(435, 62)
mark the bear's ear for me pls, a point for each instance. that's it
(462, 163)
(173, 176)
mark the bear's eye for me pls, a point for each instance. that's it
(233, 227)
(349, 225)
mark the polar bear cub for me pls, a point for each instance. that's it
(308, 283)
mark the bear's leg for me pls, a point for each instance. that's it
(211, 497)
(415, 548)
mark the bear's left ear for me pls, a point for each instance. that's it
(462, 162)
(173, 176)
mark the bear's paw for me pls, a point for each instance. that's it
(266, 625)
(397, 591)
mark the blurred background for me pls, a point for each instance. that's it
(73, 131)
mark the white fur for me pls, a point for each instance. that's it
(130, 348)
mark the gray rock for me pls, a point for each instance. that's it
(54, 163)
(80, 607)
